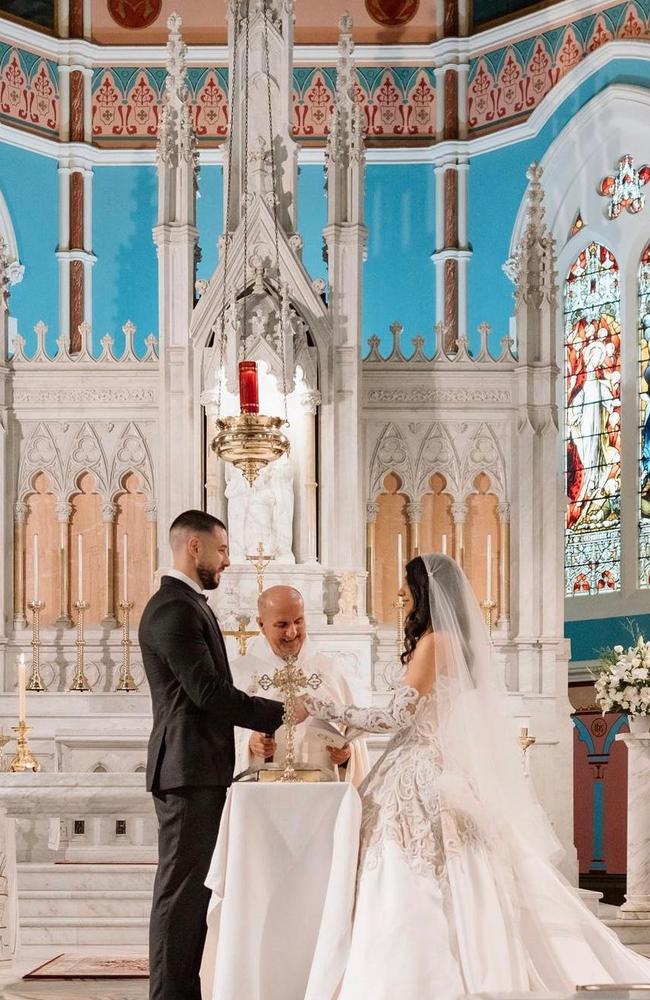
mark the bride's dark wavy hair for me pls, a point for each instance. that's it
(418, 620)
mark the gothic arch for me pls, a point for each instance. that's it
(483, 454)
(41, 454)
(437, 455)
(391, 454)
(86, 455)
(132, 455)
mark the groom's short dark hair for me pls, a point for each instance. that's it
(196, 521)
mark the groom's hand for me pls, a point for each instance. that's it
(261, 745)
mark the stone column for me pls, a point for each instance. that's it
(20, 515)
(109, 512)
(503, 623)
(64, 514)
(151, 510)
(8, 889)
(310, 403)
(414, 518)
(372, 510)
(637, 904)
(459, 512)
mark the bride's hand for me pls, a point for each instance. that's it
(301, 712)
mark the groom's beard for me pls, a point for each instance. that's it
(208, 577)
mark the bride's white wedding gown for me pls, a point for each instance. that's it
(446, 903)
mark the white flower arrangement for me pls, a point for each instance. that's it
(623, 681)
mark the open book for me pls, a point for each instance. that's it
(329, 735)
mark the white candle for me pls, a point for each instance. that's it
(488, 589)
(35, 586)
(444, 545)
(22, 687)
(80, 568)
(400, 576)
(126, 568)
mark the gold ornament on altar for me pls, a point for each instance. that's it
(290, 680)
(242, 634)
(260, 561)
(36, 682)
(24, 759)
(250, 440)
(525, 740)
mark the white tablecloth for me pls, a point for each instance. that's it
(282, 879)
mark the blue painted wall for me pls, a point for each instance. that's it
(125, 278)
(399, 281)
(30, 185)
(209, 218)
(588, 638)
(497, 182)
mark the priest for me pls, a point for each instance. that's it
(283, 633)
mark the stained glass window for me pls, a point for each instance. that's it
(578, 224)
(592, 333)
(644, 413)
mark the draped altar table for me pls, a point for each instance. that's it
(282, 879)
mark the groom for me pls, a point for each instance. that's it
(192, 747)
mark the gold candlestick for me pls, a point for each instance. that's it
(24, 759)
(260, 561)
(488, 610)
(36, 681)
(242, 635)
(126, 681)
(400, 604)
(80, 681)
(290, 680)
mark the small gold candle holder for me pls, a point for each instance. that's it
(488, 610)
(80, 681)
(126, 681)
(24, 759)
(36, 682)
(526, 741)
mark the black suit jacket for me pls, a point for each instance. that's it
(195, 703)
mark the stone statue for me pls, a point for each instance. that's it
(262, 512)
(348, 588)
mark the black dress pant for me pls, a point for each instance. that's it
(188, 826)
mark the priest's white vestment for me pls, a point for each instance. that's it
(259, 660)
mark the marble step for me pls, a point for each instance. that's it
(48, 903)
(68, 931)
(41, 877)
(635, 933)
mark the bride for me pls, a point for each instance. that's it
(457, 891)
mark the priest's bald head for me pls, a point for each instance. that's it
(281, 617)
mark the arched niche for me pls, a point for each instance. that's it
(131, 520)
(391, 521)
(42, 521)
(482, 520)
(87, 522)
(437, 520)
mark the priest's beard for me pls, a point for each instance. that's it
(209, 577)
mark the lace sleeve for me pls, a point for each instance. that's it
(396, 716)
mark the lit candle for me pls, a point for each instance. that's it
(249, 401)
(488, 589)
(126, 568)
(444, 545)
(35, 587)
(22, 687)
(80, 568)
(400, 576)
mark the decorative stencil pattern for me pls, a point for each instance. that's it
(507, 84)
(29, 90)
(397, 102)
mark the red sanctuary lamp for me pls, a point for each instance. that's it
(249, 398)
